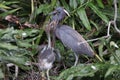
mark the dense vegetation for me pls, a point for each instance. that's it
(22, 25)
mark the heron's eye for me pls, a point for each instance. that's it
(58, 12)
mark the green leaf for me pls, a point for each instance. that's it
(82, 15)
(70, 77)
(1, 73)
(13, 59)
(9, 12)
(46, 8)
(88, 70)
(18, 60)
(73, 4)
(118, 54)
(9, 3)
(100, 4)
(82, 1)
(110, 13)
(39, 36)
(101, 51)
(93, 23)
(98, 12)
(31, 32)
(110, 71)
(23, 44)
(65, 4)
(4, 6)
(115, 58)
(8, 46)
(7, 30)
(42, 8)
(79, 70)
(53, 3)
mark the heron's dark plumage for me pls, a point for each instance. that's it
(68, 36)
(71, 39)
(60, 14)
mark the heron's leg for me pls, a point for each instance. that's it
(43, 75)
(76, 59)
(16, 71)
(48, 77)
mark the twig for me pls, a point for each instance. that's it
(109, 24)
(107, 36)
(93, 40)
(115, 16)
(108, 30)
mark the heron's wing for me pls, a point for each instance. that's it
(65, 37)
(72, 38)
(72, 32)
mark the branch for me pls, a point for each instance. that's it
(94, 39)
(115, 17)
(109, 24)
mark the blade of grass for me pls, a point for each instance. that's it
(82, 15)
(98, 12)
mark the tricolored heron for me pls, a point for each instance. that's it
(68, 36)
(46, 56)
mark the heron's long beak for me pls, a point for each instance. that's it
(66, 12)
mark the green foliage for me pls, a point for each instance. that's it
(1, 74)
(7, 10)
(98, 12)
(89, 17)
(14, 48)
(84, 70)
(83, 17)
(46, 8)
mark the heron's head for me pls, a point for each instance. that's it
(59, 14)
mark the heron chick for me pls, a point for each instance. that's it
(46, 56)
